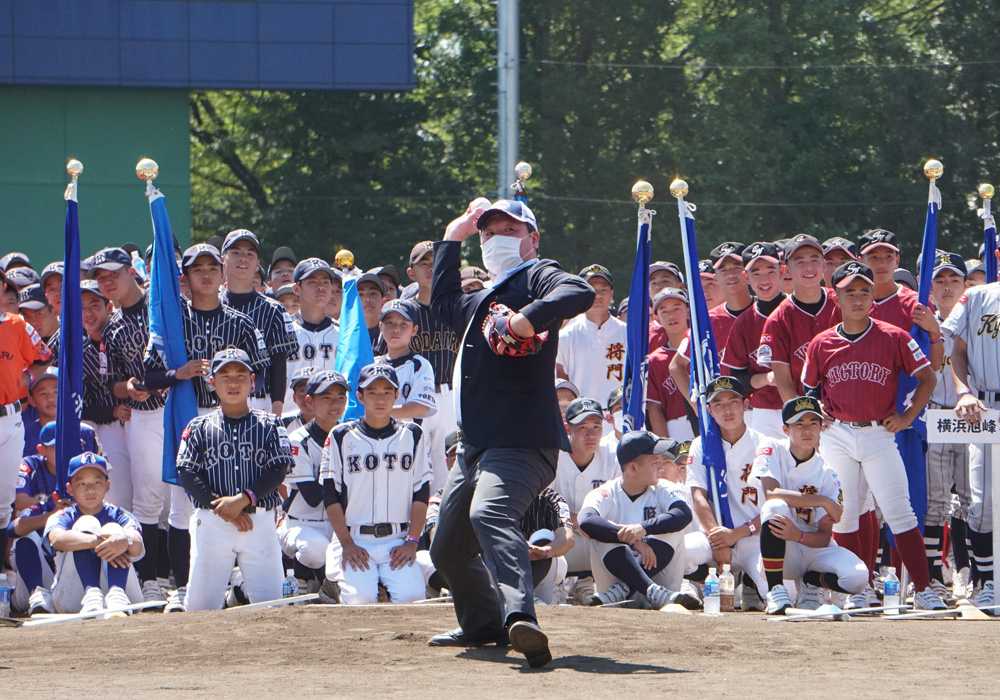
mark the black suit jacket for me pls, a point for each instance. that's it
(508, 401)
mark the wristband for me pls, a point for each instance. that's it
(548, 552)
(753, 530)
(249, 494)
(939, 340)
(965, 391)
(802, 539)
(414, 540)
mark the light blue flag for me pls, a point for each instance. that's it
(354, 347)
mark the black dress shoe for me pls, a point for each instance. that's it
(528, 638)
(458, 638)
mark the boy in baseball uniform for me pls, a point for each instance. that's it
(414, 373)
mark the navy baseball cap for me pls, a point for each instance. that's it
(875, 238)
(369, 373)
(802, 240)
(720, 385)
(636, 443)
(285, 289)
(310, 266)
(615, 396)
(705, 268)
(321, 381)
(109, 259)
(53, 268)
(241, 234)
(420, 251)
(32, 297)
(667, 267)
(683, 448)
(838, 243)
(47, 436)
(667, 446)
(846, 273)
(729, 249)
(216, 242)
(49, 373)
(87, 460)
(761, 250)
(92, 287)
(11, 258)
(974, 265)
(282, 253)
(22, 277)
(229, 356)
(301, 374)
(622, 306)
(196, 251)
(516, 210)
(904, 276)
(949, 261)
(794, 409)
(579, 409)
(591, 271)
(398, 306)
(372, 276)
(391, 272)
(567, 385)
(669, 293)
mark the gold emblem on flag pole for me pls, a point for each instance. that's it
(933, 169)
(642, 192)
(147, 169)
(679, 188)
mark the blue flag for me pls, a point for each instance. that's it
(989, 246)
(704, 368)
(69, 392)
(166, 332)
(637, 331)
(354, 348)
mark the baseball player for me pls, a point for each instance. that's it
(853, 369)
(375, 474)
(293, 420)
(474, 279)
(413, 372)
(34, 308)
(973, 324)
(763, 271)
(305, 532)
(316, 332)
(94, 544)
(666, 405)
(289, 299)
(37, 478)
(977, 273)
(808, 311)
(710, 284)
(566, 392)
(281, 271)
(592, 345)
(636, 523)
(727, 261)
(803, 503)
(23, 349)
(42, 410)
(239, 258)
(34, 568)
(837, 251)
(590, 464)
(697, 549)
(662, 274)
(231, 462)
(738, 546)
(372, 292)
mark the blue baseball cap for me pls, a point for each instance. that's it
(369, 373)
(198, 250)
(241, 234)
(87, 460)
(511, 207)
(22, 277)
(301, 374)
(228, 356)
(53, 268)
(92, 287)
(47, 436)
(32, 297)
(310, 266)
(49, 373)
(398, 306)
(321, 381)
(11, 258)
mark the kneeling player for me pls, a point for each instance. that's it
(637, 524)
(376, 483)
(803, 502)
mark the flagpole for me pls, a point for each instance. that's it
(986, 191)
(637, 323)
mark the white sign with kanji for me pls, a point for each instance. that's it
(943, 425)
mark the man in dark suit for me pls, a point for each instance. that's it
(509, 418)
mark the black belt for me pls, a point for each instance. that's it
(861, 424)
(15, 407)
(382, 529)
(991, 395)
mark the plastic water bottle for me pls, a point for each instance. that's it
(890, 596)
(290, 586)
(727, 587)
(138, 264)
(712, 593)
(6, 588)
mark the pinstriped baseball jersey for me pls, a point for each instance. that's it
(307, 451)
(229, 454)
(944, 393)
(208, 332)
(376, 472)
(53, 342)
(124, 341)
(97, 398)
(416, 380)
(976, 320)
(812, 477)
(317, 345)
(435, 342)
(547, 512)
(273, 322)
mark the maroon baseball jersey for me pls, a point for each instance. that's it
(657, 335)
(741, 354)
(897, 309)
(787, 333)
(661, 388)
(722, 324)
(859, 378)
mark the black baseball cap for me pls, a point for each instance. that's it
(513, 208)
(667, 446)
(720, 385)
(198, 250)
(420, 251)
(372, 276)
(846, 273)
(669, 293)
(229, 356)
(11, 258)
(391, 272)
(216, 242)
(369, 373)
(579, 409)
(398, 306)
(622, 306)
(53, 268)
(22, 277)
(838, 243)
(949, 261)
(591, 271)
(761, 250)
(615, 396)
(636, 443)
(92, 287)
(705, 268)
(683, 448)
(321, 381)
(109, 259)
(904, 276)
(285, 289)
(310, 266)
(875, 238)
(794, 409)
(729, 249)
(282, 253)
(32, 297)
(301, 374)
(241, 234)
(667, 267)
(802, 240)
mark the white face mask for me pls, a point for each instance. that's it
(501, 253)
(619, 421)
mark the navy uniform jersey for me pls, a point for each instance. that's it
(376, 472)
(33, 428)
(125, 339)
(548, 511)
(275, 325)
(317, 345)
(98, 402)
(34, 478)
(53, 343)
(208, 332)
(435, 342)
(229, 454)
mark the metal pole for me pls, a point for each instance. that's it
(508, 93)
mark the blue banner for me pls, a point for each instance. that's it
(354, 348)
(637, 332)
(166, 333)
(990, 249)
(69, 391)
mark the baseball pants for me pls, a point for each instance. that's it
(144, 442)
(11, 448)
(669, 576)
(746, 558)
(262, 403)
(115, 448)
(438, 427)
(404, 585)
(478, 546)
(981, 481)
(697, 551)
(28, 546)
(871, 452)
(305, 540)
(768, 422)
(851, 572)
(68, 590)
(216, 545)
(947, 467)
(578, 558)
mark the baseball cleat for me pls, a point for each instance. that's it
(584, 590)
(693, 589)
(235, 596)
(867, 598)
(960, 584)
(927, 599)
(40, 601)
(93, 600)
(810, 597)
(151, 591)
(940, 589)
(751, 598)
(329, 592)
(986, 598)
(117, 600)
(616, 594)
(778, 600)
(175, 601)
(528, 638)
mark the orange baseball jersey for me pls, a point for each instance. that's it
(20, 347)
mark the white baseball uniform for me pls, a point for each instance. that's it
(305, 532)
(317, 346)
(594, 358)
(573, 484)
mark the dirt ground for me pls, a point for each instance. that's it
(328, 651)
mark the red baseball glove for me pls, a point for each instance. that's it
(496, 328)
